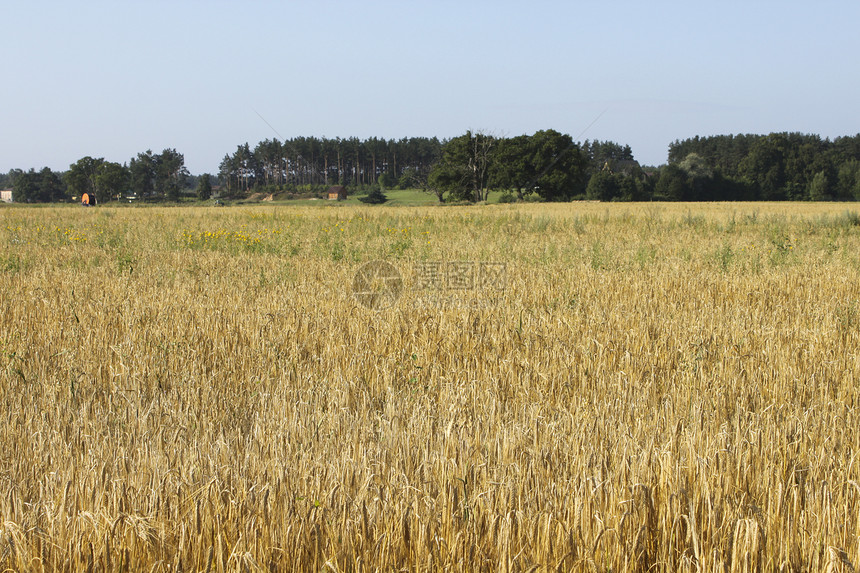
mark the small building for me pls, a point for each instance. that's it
(6, 195)
(624, 166)
(337, 193)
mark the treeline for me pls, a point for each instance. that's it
(547, 165)
(774, 167)
(146, 176)
(307, 162)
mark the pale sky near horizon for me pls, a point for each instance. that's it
(111, 79)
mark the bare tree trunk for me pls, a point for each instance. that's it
(357, 169)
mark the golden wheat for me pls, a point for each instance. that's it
(647, 388)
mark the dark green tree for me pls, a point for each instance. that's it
(25, 186)
(37, 186)
(449, 178)
(82, 177)
(848, 180)
(170, 174)
(386, 179)
(375, 197)
(142, 172)
(112, 180)
(602, 154)
(464, 170)
(268, 157)
(672, 185)
(240, 170)
(764, 167)
(820, 188)
(51, 187)
(700, 178)
(204, 187)
(603, 186)
(558, 164)
(513, 168)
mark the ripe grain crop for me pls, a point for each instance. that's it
(650, 388)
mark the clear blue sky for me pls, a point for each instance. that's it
(111, 79)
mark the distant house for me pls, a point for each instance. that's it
(337, 193)
(625, 166)
(6, 195)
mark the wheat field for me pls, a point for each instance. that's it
(646, 387)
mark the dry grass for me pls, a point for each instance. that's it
(659, 388)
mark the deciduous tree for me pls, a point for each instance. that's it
(82, 177)
(204, 187)
(559, 166)
(112, 181)
(464, 170)
(142, 171)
